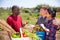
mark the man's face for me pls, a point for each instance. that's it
(43, 12)
(16, 11)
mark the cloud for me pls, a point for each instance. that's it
(28, 3)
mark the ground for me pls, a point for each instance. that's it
(58, 35)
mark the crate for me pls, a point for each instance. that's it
(26, 38)
(41, 35)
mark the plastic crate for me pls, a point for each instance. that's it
(26, 38)
(41, 35)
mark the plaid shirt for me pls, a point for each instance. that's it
(52, 29)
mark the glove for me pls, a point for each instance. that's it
(42, 25)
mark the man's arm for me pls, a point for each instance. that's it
(38, 20)
(57, 22)
(5, 26)
(42, 25)
(25, 23)
(9, 21)
(9, 24)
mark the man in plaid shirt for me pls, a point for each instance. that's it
(52, 28)
(50, 25)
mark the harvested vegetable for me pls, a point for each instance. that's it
(38, 28)
(32, 35)
(1, 28)
(16, 35)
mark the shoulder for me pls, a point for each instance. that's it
(55, 21)
(57, 18)
(9, 17)
(39, 17)
(19, 17)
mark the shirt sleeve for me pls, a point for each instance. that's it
(9, 21)
(38, 21)
(21, 22)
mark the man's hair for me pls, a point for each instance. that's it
(13, 7)
(52, 12)
(44, 7)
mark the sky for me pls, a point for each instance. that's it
(29, 3)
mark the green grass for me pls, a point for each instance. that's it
(58, 15)
(31, 17)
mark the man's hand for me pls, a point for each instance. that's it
(47, 29)
(42, 25)
(26, 22)
(58, 27)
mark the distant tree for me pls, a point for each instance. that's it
(39, 6)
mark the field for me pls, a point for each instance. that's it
(31, 17)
